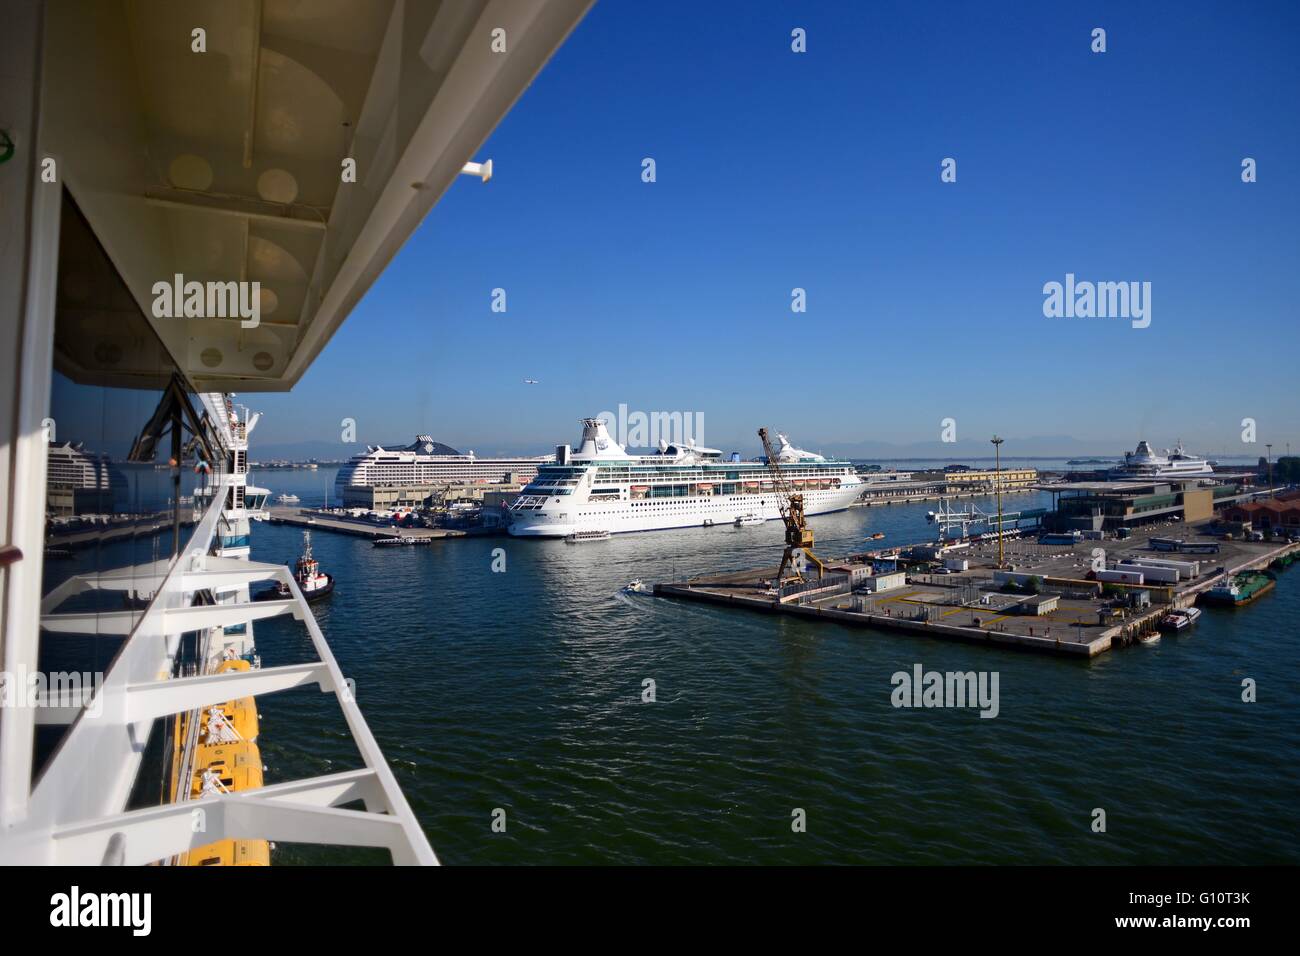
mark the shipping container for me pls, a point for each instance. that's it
(1117, 576)
(1150, 573)
(1186, 569)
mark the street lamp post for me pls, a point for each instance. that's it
(997, 485)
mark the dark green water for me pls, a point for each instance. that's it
(522, 691)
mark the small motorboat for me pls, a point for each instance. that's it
(288, 499)
(877, 536)
(745, 521)
(1149, 639)
(312, 581)
(1180, 620)
(638, 587)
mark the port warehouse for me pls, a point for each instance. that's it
(1281, 513)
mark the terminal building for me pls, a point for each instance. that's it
(428, 494)
(1009, 478)
(426, 472)
(1111, 505)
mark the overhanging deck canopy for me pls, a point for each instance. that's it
(227, 164)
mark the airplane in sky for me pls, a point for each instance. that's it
(531, 381)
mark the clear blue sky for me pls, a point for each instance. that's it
(821, 170)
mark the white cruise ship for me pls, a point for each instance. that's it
(1175, 463)
(78, 481)
(601, 487)
(426, 462)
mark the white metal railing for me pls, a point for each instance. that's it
(75, 813)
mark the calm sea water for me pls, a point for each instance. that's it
(522, 690)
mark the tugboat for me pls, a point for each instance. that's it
(313, 582)
(1239, 589)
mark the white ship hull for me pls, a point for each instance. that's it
(620, 517)
(1166, 471)
(1146, 463)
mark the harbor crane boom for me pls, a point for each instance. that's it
(798, 536)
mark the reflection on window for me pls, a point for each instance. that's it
(126, 452)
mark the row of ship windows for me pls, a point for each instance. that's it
(720, 501)
(668, 502)
(656, 506)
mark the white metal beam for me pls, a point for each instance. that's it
(177, 620)
(156, 833)
(161, 698)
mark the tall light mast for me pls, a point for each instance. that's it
(997, 484)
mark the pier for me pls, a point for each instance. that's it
(1064, 614)
(342, 524)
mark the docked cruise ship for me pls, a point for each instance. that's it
(1175, 463)
(601, 487)
(427, 462)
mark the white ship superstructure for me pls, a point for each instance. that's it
(243, 502)
(78, 481)
(601, 487)
(71, 466)
(1145, 462)
(427, 462)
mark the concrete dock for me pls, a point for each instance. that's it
(952, 606)
(342, 524)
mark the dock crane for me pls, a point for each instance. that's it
(798, 536)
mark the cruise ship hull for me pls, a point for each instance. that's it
(620, 517)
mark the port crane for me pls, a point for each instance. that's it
(798, 536)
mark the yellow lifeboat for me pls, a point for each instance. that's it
(226, 760)
(226, 768)
(230, 853)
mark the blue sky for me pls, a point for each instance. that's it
(821, 170)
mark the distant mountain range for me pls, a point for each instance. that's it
(1040, 446)
(1043, 446)
(302, 450)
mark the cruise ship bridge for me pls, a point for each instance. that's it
(148, 145)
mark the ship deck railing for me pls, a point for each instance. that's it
(75, 812)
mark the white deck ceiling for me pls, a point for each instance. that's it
(226, 165)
